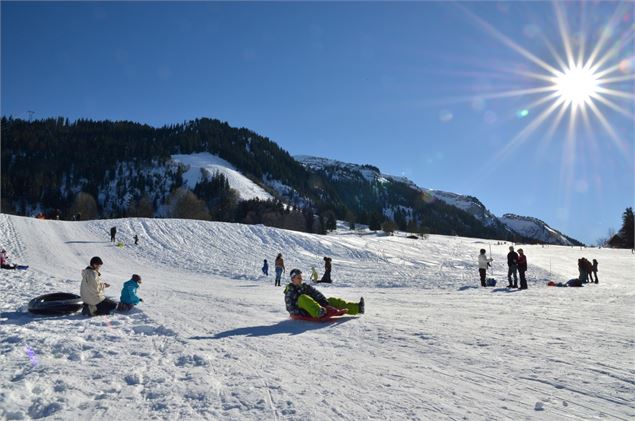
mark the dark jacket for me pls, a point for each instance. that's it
(327, 264)
(512, 258)
(522, 262)
(292, 293)
(595, 265)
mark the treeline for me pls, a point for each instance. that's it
(105, 169)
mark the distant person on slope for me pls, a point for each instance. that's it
(326, 278)
(4, 261)
(265, 268)
(588, 267)
(522, 268)
(92, 291)
(279, 263)
(113, 234)
(595, 270)
(483, 264)
(129, 297)
(303, 300)
(314, 274)
(512, 264)
(136, 239)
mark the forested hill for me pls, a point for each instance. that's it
(103, 169)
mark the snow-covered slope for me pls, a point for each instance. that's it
(212, 339)
(469, 204)
(213, 164)
(535, 228)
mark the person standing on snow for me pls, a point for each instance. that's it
(113, 234)
(314, 274)
(512, 264)
(595, 270)
(483, 263)
(136, 239)
(129, 297)
(303, 300)
(522, 268)
(279, 263)
(265, 268)
(326, 278)
(92, 291)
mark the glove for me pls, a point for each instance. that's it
(140, 300)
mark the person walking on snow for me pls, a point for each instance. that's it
(113, 234)
(265, 268)
(314, 274)
(483, 263)
(279, 263)
(595, 270)
(129, 297)
(136, 239)
(92, 291)
(304, 300)
(512, 264)
(522, 268)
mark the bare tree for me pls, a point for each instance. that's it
(185, 205)
(85, 205)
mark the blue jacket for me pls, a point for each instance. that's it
(129, 293)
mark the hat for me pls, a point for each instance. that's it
(511, 248)
(295, 272)
(136, 278)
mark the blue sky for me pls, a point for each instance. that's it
(403, 86)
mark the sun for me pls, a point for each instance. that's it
(576, 86)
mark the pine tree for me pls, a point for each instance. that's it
(628, 228)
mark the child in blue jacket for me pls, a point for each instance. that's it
(129, 297)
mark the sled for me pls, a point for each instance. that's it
(56, 304)
(120, 245)
(331, 316)
(490, 282)
(21, 267)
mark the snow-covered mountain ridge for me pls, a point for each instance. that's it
(525, 227)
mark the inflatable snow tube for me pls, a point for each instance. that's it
(56, 304)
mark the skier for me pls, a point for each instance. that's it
(512, 263)
(136, 239)
(92, 291)
(265, 268)
(304, 300)
(129, 297)
(4, 261)
(113, 234)
(326, 278)
(483, 264)
(314, 274)
(522, 268)
(279, 263)
(595, 270)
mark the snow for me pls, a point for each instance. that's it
(212, 339)
(213, 164)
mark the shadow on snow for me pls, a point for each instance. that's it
(290, 327)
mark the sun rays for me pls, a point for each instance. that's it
(578, 85)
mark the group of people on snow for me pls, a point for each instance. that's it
(113, 236)
(92, 291)
(516, 265)
(587, 270)
(280, 269)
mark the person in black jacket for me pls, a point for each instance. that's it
(113, 234)
(326, 278)
(595, 270)
(512, 264)
(303, 300)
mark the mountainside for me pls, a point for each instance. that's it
(205, 169)
(537, 229)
